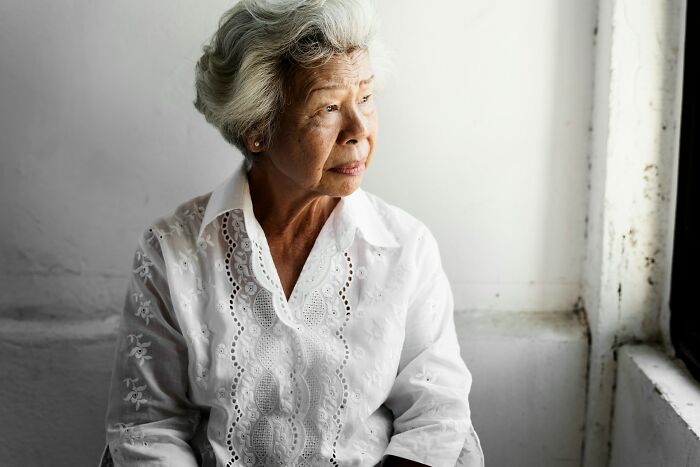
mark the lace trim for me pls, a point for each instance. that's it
(341, 409)
(235, 288)
(288, 359)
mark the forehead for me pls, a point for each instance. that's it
(342, 70)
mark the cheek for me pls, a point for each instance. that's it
(317, 141)
(321, 128)
(373, 121)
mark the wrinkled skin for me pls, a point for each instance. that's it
(329, 120)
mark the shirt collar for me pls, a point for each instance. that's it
(355, 211)
(230, 195)
(362, 215)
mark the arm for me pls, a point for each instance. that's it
(432, 421)
(149, 418)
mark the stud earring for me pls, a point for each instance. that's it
(256, 144)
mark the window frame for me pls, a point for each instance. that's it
(684, 318)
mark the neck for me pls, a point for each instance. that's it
(285, 210)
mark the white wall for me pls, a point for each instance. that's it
(98, 137)
(484, 136)
(54, 392)
(529, 388)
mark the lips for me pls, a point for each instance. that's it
(351, 168)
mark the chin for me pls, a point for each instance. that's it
(345, 188)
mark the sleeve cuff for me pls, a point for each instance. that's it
(436, 445)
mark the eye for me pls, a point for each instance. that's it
(365, 98)
(331, 108)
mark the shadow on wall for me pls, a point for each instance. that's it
(54, 395)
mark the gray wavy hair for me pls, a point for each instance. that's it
(241, 76)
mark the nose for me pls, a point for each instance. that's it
(355, 128)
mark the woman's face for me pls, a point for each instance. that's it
(327, 129)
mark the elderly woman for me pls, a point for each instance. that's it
(290, 318)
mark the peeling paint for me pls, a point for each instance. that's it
(636, 90)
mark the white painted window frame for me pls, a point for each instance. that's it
(632, 198)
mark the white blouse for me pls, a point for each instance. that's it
(214, 366)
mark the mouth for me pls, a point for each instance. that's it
(351, 168)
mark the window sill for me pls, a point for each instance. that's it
(657, 410)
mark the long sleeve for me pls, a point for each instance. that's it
(149, 418)
(429, 398)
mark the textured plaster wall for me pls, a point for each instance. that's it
(529, 386)
(527, 398)
(98, 137)
(54, 392)
(483, 135)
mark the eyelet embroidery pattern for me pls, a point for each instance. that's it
(339, 415)
(179, 223)
(131, 434)
(203, 243)
(144, 269)
(264, 431)
(236, 365)
(258, 432)
(294, 381)
(143, 310)
(136, 392)
(289, 381)
(140, 350)
(186, 260)
(128, 434)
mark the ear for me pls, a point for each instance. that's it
(254, 142)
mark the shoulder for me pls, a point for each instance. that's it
(410, 232)
(178, 228)
(399, 221)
